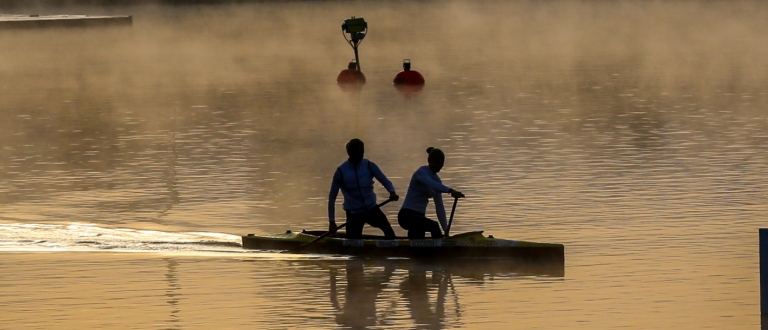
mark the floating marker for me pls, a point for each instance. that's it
(408, 81)
(351, 75)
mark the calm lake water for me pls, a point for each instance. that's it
(634, 133)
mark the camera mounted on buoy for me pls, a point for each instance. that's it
(356, 28)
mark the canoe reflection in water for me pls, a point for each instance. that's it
(426, 289)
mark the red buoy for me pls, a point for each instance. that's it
(351, 75)
(407, 76)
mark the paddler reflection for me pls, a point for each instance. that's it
(415, 291)
(359, 308)
(369, 285)
(379, 292)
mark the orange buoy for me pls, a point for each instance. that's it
(351, 75)
(408, 77)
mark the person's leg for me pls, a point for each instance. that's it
(402, 219)
(417, 224)
(425, 224)
(354, 225)
(406, 220)
(434, 228)
(377, 219)
(416, 234)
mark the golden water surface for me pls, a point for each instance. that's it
(634, 133)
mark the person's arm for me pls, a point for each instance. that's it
(379, 175)
(335, 186)
(426, 179)
(440, 210)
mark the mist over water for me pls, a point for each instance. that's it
(633, 132)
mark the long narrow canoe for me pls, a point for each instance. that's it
(473, 245)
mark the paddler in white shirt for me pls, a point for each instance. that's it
(354, 178)
(425, 184)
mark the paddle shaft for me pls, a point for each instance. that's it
(339, 227)
(453, 210)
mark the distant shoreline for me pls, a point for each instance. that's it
(22, 4)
